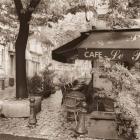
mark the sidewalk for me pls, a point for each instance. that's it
(51, 122)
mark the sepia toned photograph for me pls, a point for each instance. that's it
(69, 69)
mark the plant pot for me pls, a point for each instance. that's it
(11, 82)
(47, 93)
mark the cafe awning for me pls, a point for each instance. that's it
(116, 44)
(68, 52)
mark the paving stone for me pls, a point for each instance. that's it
(51, 122)
(19, 108)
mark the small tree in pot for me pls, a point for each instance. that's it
(47, 77)
(35, 85)
(35, 90)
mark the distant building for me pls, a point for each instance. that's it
(7, 63)
(34, 53)
(35, 60)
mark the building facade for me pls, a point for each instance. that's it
(34, 61)
(34, 54)
(7, 63)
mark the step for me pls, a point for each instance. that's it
(18, 108)
(103, 126)
(100, 115)
(12, 137)
(103, 129)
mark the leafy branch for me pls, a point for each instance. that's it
(121, 12)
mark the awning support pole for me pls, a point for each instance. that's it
(92, 75)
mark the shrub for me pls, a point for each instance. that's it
(34, 85)
(125, 94)
(47, 77)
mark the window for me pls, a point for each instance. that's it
(1, 57)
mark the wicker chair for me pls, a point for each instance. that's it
(71, 104)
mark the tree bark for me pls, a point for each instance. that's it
(20, 46)
(24, 16)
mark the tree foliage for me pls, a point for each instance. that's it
(121, 12)
(47, 11)
(8, 22)
(119, 15)
(125, 93)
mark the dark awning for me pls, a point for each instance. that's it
(115, 44)
(118, 45)
(68, 52)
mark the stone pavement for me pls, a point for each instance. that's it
(51, 122)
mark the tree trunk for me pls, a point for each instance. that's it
(20, 46)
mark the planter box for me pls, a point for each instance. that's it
(19, 108)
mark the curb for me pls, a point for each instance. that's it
(13, 137)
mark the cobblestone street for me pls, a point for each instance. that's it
(51, 122)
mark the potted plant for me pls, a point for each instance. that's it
(35, 85)
(11, 81)
(35, 90)
(47, 82)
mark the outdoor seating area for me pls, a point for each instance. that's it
(102, 108)
(117, 53)
(70, 70)
(110, 96)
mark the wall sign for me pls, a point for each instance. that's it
(132, 55)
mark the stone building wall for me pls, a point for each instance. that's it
(34, 54)
(7, 63)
